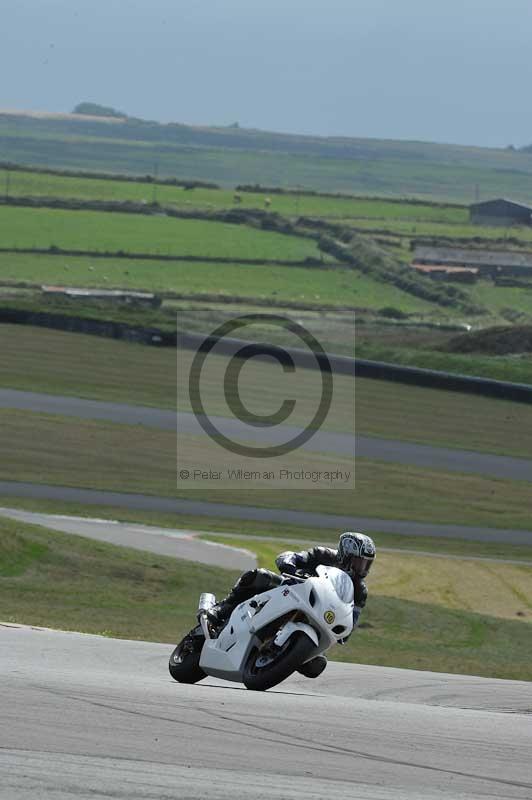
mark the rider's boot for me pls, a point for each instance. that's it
(250, 583)
(314, 667)
(220, 613)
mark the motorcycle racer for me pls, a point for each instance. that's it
(355, 555)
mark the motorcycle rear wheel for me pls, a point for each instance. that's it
(294, 652)
(184, 662)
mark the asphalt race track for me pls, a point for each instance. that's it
(89, 717)
(370, 447)
(389, 450)
(277, 516)
(183, 544)
(163, 541)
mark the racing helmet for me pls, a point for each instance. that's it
(356, 553)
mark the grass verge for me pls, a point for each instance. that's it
(517, 369)
(56, 580)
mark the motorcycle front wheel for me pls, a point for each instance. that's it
(268, 666)
(184, 662)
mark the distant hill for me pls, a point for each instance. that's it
(95, 110)
(232, 155)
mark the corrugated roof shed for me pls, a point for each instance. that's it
(500, 202)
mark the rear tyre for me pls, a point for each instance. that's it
(184, 662)
(268, 667)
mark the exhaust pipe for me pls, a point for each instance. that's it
(206, 601)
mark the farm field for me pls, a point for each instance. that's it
(230, 157)
(317, 287)
(157, 235)
(66, 451)
(461, 230)
(142, 596)
(507, 301)
(55, 362)
(93, 230)
(37, 184)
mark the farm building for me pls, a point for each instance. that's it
(500, 212)
(494, 263)
(109, 295)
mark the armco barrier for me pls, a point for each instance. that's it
(94, 327)
(339, 365)
(344, 365)
(488, 387)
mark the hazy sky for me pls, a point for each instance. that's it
(447, 70)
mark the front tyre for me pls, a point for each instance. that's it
(268, 666)
(184, 662)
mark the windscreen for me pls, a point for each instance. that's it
(343, 585)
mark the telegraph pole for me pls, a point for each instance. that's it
(155, 175)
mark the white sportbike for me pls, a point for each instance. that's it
(271, 635)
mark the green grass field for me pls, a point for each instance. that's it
(461, 230)
(55, 580)
(36, 184)
(100, 231)
(95, 230)
(447, 419)
(338, 287)
(503, 300)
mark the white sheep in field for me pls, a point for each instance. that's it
(267, 202)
